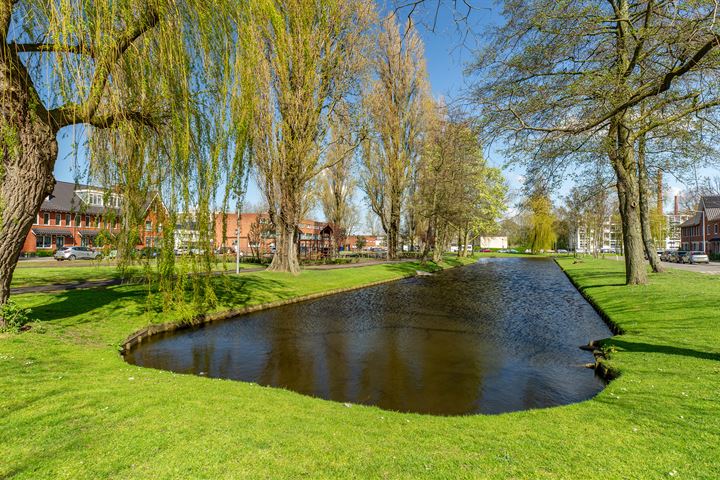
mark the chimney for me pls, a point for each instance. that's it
(677, 205)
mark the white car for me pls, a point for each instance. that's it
(698, 257)
(76, 253)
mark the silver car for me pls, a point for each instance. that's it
(698, 257)
(76, 253)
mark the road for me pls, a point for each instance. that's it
(712, 268)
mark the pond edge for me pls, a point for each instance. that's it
(601, 367)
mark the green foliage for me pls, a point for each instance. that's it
(542, 220)
(14, 317)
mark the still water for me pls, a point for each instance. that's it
(497, 336)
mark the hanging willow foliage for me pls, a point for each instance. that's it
(162, 90)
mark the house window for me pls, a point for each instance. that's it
(46, 219)
(68, 219)
(148, 226)
(59, 241)
(87, 220)
(716, 228)
(97, 221)
(78, 219)
(58, 219)
(43, 241)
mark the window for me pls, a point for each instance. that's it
(68, 219)
(78, 219)
(97, 221)
(43, 241)
(148, 226)
(59, 241)
(87, 220)
(58, 219)
(46, 219)
(716, 228)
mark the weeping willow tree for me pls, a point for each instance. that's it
(311, 53)
(158, 89)
(543, 235)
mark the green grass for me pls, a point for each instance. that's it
(28, 274)
(71, 408)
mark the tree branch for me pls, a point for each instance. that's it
(80, 49)
(650, 89)
(84, 112)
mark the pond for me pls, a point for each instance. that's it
(497, 336)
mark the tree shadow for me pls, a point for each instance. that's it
(640, 347)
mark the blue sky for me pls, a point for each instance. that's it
(446, 56)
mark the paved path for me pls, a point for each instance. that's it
(60, 287)
(712, 268)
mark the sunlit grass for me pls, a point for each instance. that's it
(71, 408)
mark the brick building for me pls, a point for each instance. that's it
(257, 236)
(75, 214)
(702, 231)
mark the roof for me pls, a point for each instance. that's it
(65, 199)
(692, 221)
(52, 231)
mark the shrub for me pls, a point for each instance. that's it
(15, 317)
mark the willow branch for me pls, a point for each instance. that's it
(84, 112)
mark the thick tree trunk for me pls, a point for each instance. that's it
(644, 194)
(286, 249)
(28, 149)
(623, 161)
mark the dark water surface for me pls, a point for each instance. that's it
(497, 336)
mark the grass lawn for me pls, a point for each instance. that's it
(71, 408)
(54, 272)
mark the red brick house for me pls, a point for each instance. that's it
(257, 234)
(75, 214)
(702, 231)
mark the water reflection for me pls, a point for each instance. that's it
(498, 336)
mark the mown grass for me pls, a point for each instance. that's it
(71, 408)
(28, 274)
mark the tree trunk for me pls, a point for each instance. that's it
(28, 148)
(623, 161)
(286, 249)
(393, 229)
(644, 195)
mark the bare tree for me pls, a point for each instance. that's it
(559, 75)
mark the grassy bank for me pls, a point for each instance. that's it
(28, 274)
(71, 408)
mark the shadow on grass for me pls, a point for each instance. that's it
(639, 347)
(230, 292)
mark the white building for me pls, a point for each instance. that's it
(585, 240)
(492, 242)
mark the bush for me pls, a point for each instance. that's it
(45, 253)
(714, 257)
(15, 317)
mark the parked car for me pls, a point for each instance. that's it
(182, 251)
(149, 252)
(562, 250)
(666, 255)
(697, 257)
(486, 250)
(76, 253)
(680, 256)
(512, 250)
(224, 251)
